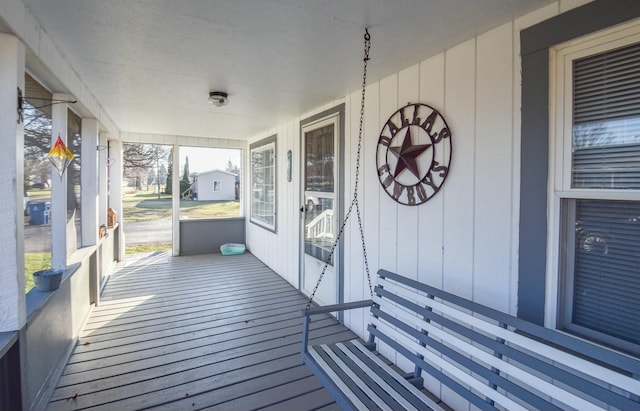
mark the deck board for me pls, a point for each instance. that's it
(200, 332)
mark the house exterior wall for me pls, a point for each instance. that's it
(204, 186)
(466, 238)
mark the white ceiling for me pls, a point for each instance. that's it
(152, 63)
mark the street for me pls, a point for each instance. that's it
(37, 238)
(140, 232)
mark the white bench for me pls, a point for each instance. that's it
(494, 360)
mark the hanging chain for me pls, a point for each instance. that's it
(354, 202)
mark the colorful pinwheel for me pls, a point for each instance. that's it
(60, 156)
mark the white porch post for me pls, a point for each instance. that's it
(175, 201)
(12, 295)
(115, 189)
(89, 181)
(103, 176)
(58, 188)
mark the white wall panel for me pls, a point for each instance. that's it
(353, 260)
(458, 190)
(369, 199)
(431, 223)
(493, 184)
(408, 220)
(388, 223)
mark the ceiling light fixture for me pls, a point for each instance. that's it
(218, 98)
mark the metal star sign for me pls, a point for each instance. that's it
(413, 154)
(60, 156)
(407, 154)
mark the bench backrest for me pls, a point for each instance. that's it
(495, 360)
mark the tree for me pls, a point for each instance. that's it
(37, 142)
(162, 173)
(139, 158)
(232, 168)
(185, 182)
(168, 188)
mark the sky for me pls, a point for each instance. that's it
(207, 159)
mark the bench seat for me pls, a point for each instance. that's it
(490, 359)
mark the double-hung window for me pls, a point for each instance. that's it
(263, 183)
(595, 188)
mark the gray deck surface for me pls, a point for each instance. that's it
(192, 333)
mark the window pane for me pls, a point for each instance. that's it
(319, 159)
(606, 154)
(146, 197)
(606, 118)
(209, 182)
(37, 179)
(606, 286)
(263, 183)
(319, 225)
(74, 220)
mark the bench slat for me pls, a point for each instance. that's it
(513, 352)
(456, 379)
(468, 363)
(513, 371)
(360, 380)
(400, 385)
(577, 363)
(337, 380)
(601, 354)
(366, 380)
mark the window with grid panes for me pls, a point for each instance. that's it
(263, 183)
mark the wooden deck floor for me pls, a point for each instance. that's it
(193, 333)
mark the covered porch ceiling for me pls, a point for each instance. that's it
(152, 63)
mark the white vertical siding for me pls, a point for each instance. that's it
(464, 239)
(408, 217)
(459, 188)
(388, 215)
(431, 224)
(493, 159)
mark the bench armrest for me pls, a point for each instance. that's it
(336, 307)
(307, 313)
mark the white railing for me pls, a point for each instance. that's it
(321, 226)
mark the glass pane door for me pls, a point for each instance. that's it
(319, 209)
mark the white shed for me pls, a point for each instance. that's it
(214, 185)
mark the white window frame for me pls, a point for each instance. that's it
(267, 144)
(560, 152)
(218, 184)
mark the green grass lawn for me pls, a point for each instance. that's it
(144, 206)
(34, 262)
(147, 248)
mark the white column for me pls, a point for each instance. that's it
(103, 175)
(58, 188)
(115, 190)
(12, 295)
(175, 200)
(89, 181)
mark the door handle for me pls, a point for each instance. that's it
(302, 209)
